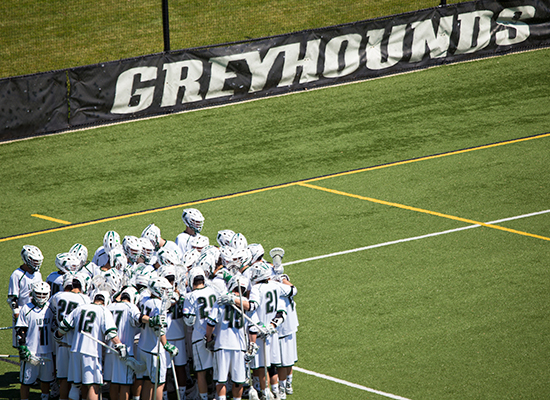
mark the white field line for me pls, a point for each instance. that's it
(373, 246)
(360, 387)
(353, 385)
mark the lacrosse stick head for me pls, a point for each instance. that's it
(277, 255)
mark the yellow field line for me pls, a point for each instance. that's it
(285, 185)
(59, 221)
(421, 210)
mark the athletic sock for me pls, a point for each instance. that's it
(275, 389)
(182, 393)
(222, 398)
(204, 396)
(44, 396)
(256, 383)
(289, 379)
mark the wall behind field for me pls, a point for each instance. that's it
(175, 81)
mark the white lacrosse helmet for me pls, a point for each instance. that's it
(67, 262)
(228, 256)
(152, 232)
(110, 240)
(68, 280)
(195, 273)
(40, 293)
(260, 271)
(84, 281)
(207, 262)
(141, 281)
(168, 270)
(102, 295)
(238, 241)
(118, 259)
(224, 237)
(81, 252)
(132, 294)
(199, 241)
(190, 257)
(160, 287)
(147, 249)
(169, 257)
(235, 281)
(257, 251)
(32, 256)
(211, 249)
(132, 248)
(244, 257)
(193, 219)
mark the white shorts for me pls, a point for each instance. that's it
(116, 371)
(289, 350)
(181, 358)
(84, 369)
(62, 362)
(151, 361)
(202, 358)
(275, 350)
(229, 362)
(29, 373)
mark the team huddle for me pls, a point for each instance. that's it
(220, 318)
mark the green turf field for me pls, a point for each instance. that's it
(429, 306)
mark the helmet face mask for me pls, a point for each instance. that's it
(147, 250)
(193, 219)
(160, 287)
(40, 293)
(32, 257)
(132, 248)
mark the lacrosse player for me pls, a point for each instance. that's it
(268, 310)
(85, 366)
(175, 331)
(33, 329)
(196, 308)
(65, 262)
(127, 319)
(194, 221)
(21, 280)
(101, 255)
(62, 304)
(225, 335)
(152, 340)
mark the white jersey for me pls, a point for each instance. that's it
(290, 324)
(199, 302)
(38, 321)
(126, 316)
(229, 328)
(20, 285)
(151, 306)
(62, 304)
(55, 280)
(174, 319)
(90, 268)
(94, 319)
(268, 297)
(170, 245)
(184, 242)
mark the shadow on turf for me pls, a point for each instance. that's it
(7, 389)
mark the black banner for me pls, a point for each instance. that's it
(33, 105)
(189, 79)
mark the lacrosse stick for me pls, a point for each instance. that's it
(277, 255)
(5, 328)
(131, 362)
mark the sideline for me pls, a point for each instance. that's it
(280, 186)
(374, 246)
(353, 385)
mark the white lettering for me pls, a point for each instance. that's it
(375, 60)
(515, 31)
(467, 43)
(173, 82)
(352, 43)
(424, 36)
(125, 92)
(220, 74)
